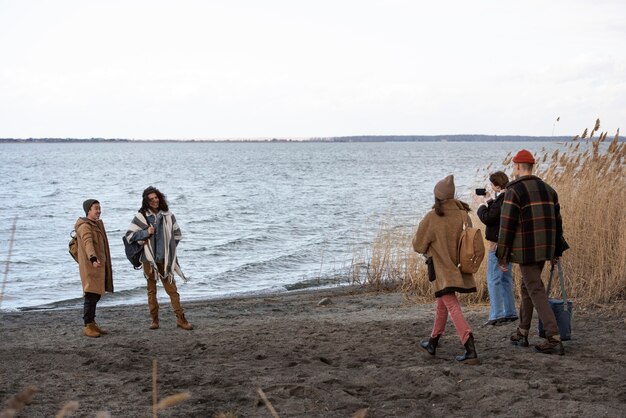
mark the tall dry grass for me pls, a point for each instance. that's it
(389, 262)
(589, 177)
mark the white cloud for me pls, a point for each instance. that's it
(155, 69)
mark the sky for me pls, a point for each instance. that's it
(298, 69)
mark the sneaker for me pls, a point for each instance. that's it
(491, 322)
(550, 346)
(519, 338)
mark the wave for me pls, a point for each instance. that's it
(327, 281)
(123, 297)
(242, 241)
(194, 250)
(209, 220)
(56, 192)
(279, 262)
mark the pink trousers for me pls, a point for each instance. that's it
(449, 304)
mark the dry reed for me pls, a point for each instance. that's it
(154, 389)
(19, 401)
(389, 261)
(267, 402)
(361, 413)
(592, 199)
(172, 400)
(168, 401)
(68, 409)
(8, 263)
(589, 180)
(226, 415)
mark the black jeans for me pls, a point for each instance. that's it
(89, 307)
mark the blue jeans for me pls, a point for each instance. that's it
(500, 287)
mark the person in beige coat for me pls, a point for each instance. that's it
(94, 263)
(438, 237)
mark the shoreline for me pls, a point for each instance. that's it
(76, 303)
(359, 351)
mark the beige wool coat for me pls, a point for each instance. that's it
(438, 237)
(92, 241)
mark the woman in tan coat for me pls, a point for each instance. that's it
(438, 236)
(94, 263)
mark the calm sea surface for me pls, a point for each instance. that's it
(255, 217)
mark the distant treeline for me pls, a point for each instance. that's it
(360, 138)
(443, 138)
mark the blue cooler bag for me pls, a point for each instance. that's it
(562, 311)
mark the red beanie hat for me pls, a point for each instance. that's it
(524, 156)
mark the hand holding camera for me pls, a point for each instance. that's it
(481, 195)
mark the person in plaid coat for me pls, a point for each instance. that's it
(531, 233)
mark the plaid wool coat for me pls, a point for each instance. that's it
(531, 228)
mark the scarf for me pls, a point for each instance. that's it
(171, 235)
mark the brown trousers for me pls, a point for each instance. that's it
(170, 288)
(534, 295)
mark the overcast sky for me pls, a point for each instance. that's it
(269, 68)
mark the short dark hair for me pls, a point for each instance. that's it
(145, 203)
(499, 178)
(527, 166)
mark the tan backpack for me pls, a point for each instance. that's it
(471, 249)
(73, 246)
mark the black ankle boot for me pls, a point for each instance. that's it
(470, 356)
(430, 345)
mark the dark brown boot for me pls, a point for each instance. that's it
(520, 338)
(551, 345)
(470, 356)
(430, 345)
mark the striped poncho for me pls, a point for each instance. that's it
(170, 234)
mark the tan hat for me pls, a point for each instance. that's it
(445, 188)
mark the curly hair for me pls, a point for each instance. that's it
(145, 203)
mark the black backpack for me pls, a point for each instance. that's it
(133, 252)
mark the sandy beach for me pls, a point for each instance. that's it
(359, 351)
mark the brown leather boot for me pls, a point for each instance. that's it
(90, 330)
(100, 330)
(182, 322)
(155, 322)
(551, 345)
(520, 338)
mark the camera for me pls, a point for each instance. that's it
(481, 192)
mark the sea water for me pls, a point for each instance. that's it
(255, 217)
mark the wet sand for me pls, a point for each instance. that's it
(359, 351)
